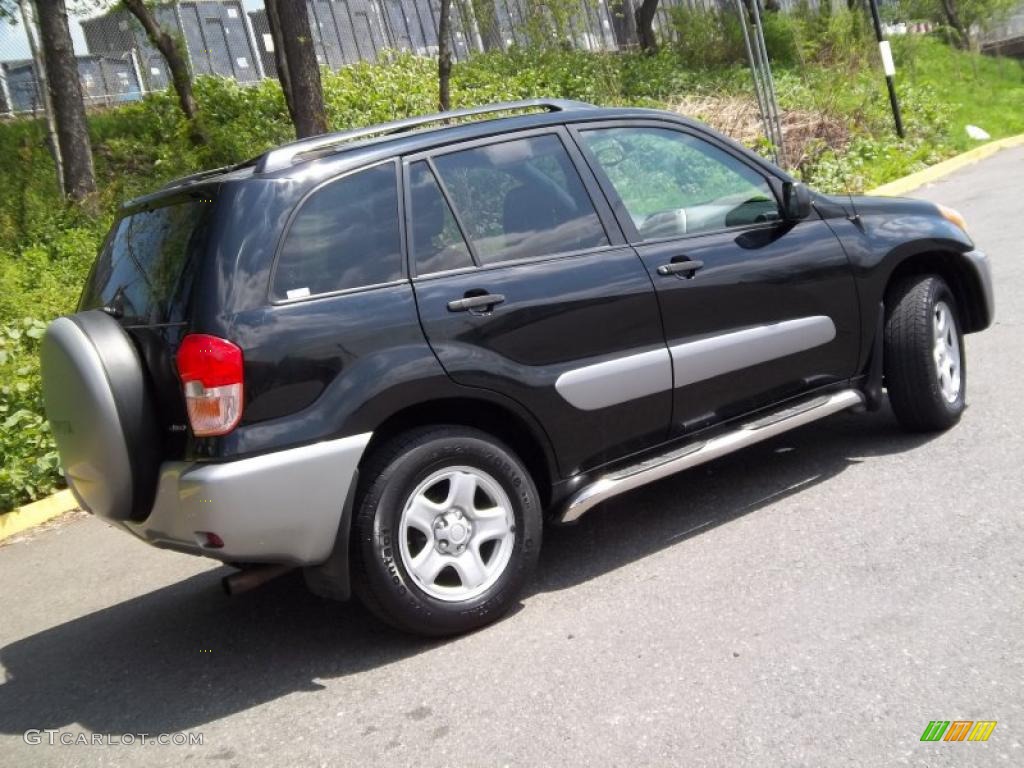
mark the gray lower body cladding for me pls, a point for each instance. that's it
(636, 375)
(281, 507)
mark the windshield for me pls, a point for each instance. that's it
(144, 271)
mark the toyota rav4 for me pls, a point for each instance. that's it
(387, 356)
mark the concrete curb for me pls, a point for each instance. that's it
(38, 512)
(946, 167)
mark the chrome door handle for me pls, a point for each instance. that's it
(680, 267)
(483, 301)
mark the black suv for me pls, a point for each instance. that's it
(387, 355)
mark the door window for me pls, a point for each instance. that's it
(520, 199)
(675, 184)
(437, 243)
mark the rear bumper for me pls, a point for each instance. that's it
(281, 507)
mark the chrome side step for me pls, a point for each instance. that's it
(691, 455)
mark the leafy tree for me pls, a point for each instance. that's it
(963, 17)
(170, 47)
(300, 75)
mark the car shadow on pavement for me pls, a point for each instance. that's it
(677, 508)
(184, 655)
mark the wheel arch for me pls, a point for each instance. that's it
(958, 274)
(527, 440)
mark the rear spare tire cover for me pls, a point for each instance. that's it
(101, 412)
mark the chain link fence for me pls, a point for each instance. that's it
(231, 38)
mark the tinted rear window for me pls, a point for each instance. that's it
(145, 268)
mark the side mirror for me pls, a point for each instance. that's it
(796, 201)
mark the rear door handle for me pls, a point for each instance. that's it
(680, 267)
(482, 301)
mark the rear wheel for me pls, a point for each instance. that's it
(925, 365)
(447, 531)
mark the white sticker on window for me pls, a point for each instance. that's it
(232, 13)
(243, 63)
(268, 42)
(154, 70)
(298, 293)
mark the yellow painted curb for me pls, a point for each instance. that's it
(946, 167)
(31, 515)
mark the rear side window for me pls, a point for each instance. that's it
(520, 199)
(344, 236)
(146, 267)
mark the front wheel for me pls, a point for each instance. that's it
(447, 531)
(925, 364)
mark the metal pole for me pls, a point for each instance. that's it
(888, 66)
(769, 82)
(755, 72)
(254, 46)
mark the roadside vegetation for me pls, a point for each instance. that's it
(837, 123)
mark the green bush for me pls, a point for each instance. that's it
(708, 39)
(28, 454)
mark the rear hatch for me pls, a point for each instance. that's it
(144, 277)
(110, 387)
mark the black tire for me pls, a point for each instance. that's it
(911, 371)
(392, 473)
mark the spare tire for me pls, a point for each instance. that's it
(101, 411)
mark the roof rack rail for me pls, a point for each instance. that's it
(282, 157)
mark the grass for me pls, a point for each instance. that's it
(977, 90)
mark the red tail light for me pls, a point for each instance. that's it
(211, 372)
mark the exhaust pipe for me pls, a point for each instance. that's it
(250, 578)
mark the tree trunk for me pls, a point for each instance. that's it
(28, 20)
(307, 96)
(66, 95)
(181, 78)
(444, 57)
(623, 22)
(645, 26)
(953, 17)
(280, 60)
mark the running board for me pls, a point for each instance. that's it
(691, 455)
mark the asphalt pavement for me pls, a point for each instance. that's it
(814, 600)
